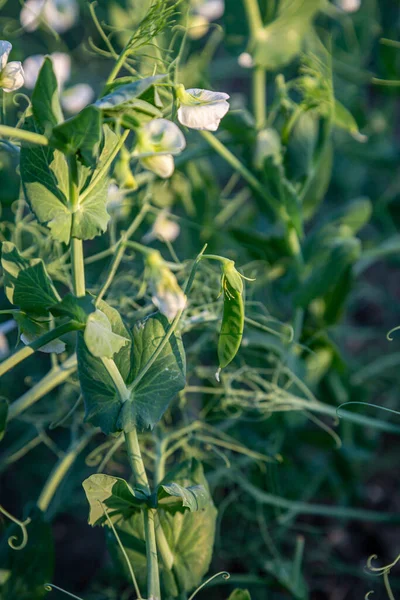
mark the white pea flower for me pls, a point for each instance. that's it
(61, 65)
(11, 73)
(165, 290)
(201, 109)
(349, 6)
(77, 97)
(157, 143)
(163, 229)
(60, 15)
(245, 60)
(198, 26)
(116, 205)
(209, 9)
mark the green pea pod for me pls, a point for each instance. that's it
(231, 333)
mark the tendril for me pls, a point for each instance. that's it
(224, 574)
(389, 333)
(22, 524)
(95, 457)
(128, 562)
(49, 587)
(382, 571)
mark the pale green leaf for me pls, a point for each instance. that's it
(45, 180)
(115, 494)
(102, 402)
(99, 338)
(240, 595)
(173, 497)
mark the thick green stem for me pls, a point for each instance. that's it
(253, 16)
(60, 471)
(260, 96)
(77, 262)
(139, 473)
(16, 358)
(23, 135)
(153, 577)
(141, 480)
(45, 385)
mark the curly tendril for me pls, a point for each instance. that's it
(224, 574)
(381, 572)
(22, 524)
(49, 587)
(389, 333)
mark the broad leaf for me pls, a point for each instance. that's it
(46, 106)
(173, 497)
(190, 536)
(150, 398)
(102, 402)
(123, 95)
(77, 309)
(80, 135)
(31, 567)
(26, 282)
(99, 337)
(115, 493)
(3, 416)
(45, 180)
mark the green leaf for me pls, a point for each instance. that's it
(30, 567)
(30, 329)
(46, 106)
(282, 570)
(174, 497)
(240, 595)
(125, 95)
(116, 495)
(27, 284)
(80, 135)
(345, 120)
(3, 416)
(76, 309)
(102, 402)
(45, 180)
(150, 398)
(279, 42)
(99, 337)
(190, 536)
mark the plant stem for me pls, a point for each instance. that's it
(23, 135)
(49, 382)
(139, 472)
(141, 480)
(260, 96)
(253, 16)
(60, 471)
(13, 360)
(77, 263)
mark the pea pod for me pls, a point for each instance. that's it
(231, 332)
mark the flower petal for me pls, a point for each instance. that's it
(5, 49)
(161, 164)
(77, 97)
(31, 14)
(164, 136)
(206, 116)
(210, 9)
(61, 15)
(12, 77)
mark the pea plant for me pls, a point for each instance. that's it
(115, 334)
